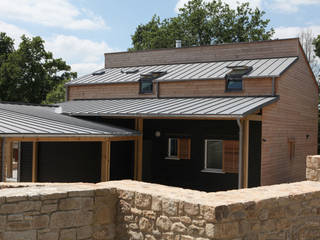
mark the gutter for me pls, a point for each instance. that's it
(240, 166)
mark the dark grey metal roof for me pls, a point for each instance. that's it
(16, 119)
(210, 107)
(269, 67)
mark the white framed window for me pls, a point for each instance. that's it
(213, 155)
(221, 156)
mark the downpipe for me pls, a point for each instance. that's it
(240, 165)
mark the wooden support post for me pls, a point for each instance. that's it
(245, 154)
(8, 159)
(105, 160)
(34, 161)
(138, 150)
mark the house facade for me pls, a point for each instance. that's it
(211, 117)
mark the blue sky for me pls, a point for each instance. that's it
(80, 31)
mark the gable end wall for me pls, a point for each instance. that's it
(294, 116)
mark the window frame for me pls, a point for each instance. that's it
(235, 76)
(180, 141)
(206, 168)
(169, 156)
(143, 80)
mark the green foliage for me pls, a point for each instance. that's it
(57, 95)
(29, 73)
(203, 23)
(316, 44)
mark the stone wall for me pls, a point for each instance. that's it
(56, 211)
(123, 210)
(313, 168)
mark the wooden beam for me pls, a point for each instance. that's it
(34, 161)
(105, 161)
(71, 139)
(245, 153)
(254, 117)
(138, 150)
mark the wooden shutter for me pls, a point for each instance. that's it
(184, 148)
(230, 156)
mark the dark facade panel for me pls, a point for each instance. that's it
(254, 179)
(26, 162)
(186, 173)
(69, 162)
(122, 160)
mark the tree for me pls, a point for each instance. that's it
(29, 73)
(306, 39)
(203, 23)
(56, 95)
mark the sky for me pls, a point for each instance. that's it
(81, 31)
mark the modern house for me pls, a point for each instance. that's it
(209, 118)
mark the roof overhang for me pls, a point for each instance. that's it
(186, 108)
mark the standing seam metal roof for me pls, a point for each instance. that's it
(211, 107)
(38, 120)
(269, 67)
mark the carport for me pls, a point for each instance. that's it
(39, 144)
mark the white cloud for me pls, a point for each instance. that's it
(52, 13)
(290, 6)
(13, 31)
(232, 3)
(84, 55)
(291, 32)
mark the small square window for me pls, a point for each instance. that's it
(146, 86)
(221, 156)
(179, 148)
(234, 78)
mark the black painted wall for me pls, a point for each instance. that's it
(188, 173)
(122, 160)
(26, 162)
(254, 154)
(69, 162)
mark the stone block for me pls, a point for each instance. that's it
(41, 221)
(49, 208)
(76, 203)
(142, 201)
(145, 225)
(68, 234)
(191, 209)
(48, 235)
(73, 218)
(178, 227)
(156, 204)
(163, 223)
(84, 232)
(170, 207)
(20, 235)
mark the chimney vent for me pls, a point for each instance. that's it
(178, 43)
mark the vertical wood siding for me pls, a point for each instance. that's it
(293, 116)
(194, 88)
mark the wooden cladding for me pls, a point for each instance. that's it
(184, 148)
(230, 156)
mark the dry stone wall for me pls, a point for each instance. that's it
(129, 210)
(56, 211)
(313, 168)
